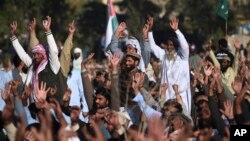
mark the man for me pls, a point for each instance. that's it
(223, 50)
(227, 65)
(42, 67)
(74, 82)
(175, 65)
(132, 45)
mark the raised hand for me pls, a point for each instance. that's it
(142, 77)
(13, 28)
(174, 24)
(217, 74)
(27, 91)
(6, 93)
(237, 84)
(8, 110)
(150, 23)
(228, 109)
(15, 85)
(115, 61)
(86, 60)
(47, 23)
(175, 87)
(145, 31)
(32, 25)
(42, 92)
(67, 94)
(201, 78)
(208, 71)
(136, 81)
(120, 30)
(72, 27)
(163, 90)
(237, 44)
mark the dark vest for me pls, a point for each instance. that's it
(52, 80)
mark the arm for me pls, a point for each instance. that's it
(33, 39)
(113, 46)
(88, 89)
(147, 110)
(65, 54)
(146, 53)
(115, 93)
(215, 115)
(158, 52)
(145, 47)
(149, 98)
(53, 50)
(85, 108)
(17, 46)
(217, 121)
(236, 57)
(87, 85)
(184, 47)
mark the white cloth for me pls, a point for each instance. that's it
(175, 71)
(77, 98)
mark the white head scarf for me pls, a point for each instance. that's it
(77, 62)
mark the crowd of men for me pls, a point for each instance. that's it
(141, 91)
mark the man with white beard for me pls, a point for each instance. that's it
(175, 66)
(74, 83)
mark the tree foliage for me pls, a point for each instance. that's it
(197, 18)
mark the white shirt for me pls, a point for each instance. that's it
(175, 71)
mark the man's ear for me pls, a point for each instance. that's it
(136, 62)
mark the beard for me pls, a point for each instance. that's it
(129, 68)
(170, 55)
(35, 65)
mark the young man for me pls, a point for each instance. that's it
(42, 67)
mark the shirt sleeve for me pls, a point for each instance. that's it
(184, 47)
(53, 53)
(147, 110)
(158, 52)
(21, 52)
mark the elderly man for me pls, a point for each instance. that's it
(175, 66)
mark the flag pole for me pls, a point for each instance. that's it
(226, 29)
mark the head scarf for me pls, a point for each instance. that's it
(134, 43)
(41, 50)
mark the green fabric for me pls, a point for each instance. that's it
(222, 9)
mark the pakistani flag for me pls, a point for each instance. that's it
(222, 9)
(112, 22)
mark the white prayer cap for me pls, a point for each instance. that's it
(77, 50)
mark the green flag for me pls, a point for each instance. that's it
(222, 9)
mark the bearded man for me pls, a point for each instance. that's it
(174, 62)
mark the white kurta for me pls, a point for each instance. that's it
(77, 98)
(175, 71)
